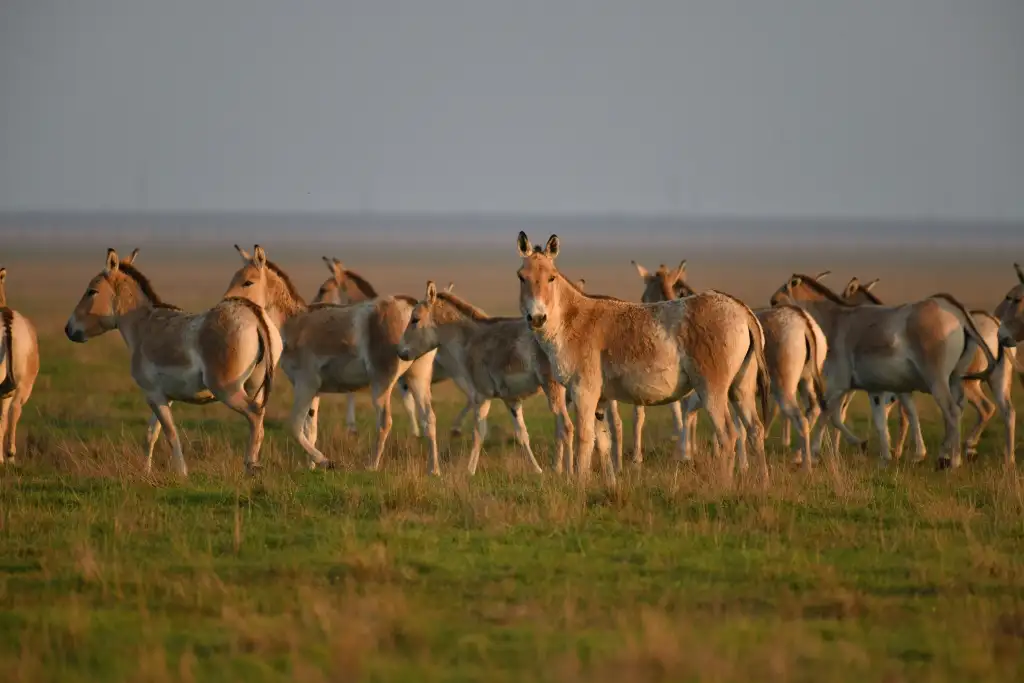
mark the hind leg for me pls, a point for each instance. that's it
(418, 378)
(253, 413)
(481, 408)
(615, 433)
(949, 398)
(5, 409)
(304, 396)
(909, 408)
(716, 404)
(878, 414)
(313, 418)
(350, 416)
(986, 411)
(456, 429)
(522, 436)
(639, 417)
(411, 409)
(688, 422)
(1001, 383)
(152, 434)
(794, 416)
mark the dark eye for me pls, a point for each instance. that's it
(414, 321)
(93, 292)
(551, 279)
(521, 278)
(248, 283)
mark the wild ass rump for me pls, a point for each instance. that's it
(19, 367)
(646, 354)
(922, 346)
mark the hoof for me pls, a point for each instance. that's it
(971, 455)
(943, 464)
(325, 465)
(455, 433)
(253, 469)
(352, 430)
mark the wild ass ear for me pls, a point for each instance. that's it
(1020, 272)
(131, 258)
(450, 287)
(551, 248)
(581, 283)
(431, 292)
(640, 270)
(246, 256)
(259, 256)
(334, 265)
(851, 288)
(113, 263)
(868, 285)
(795, 282)
(523, 242)
(822, 275)
(3, 275)
(679, 273)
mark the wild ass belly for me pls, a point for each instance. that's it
(656, 383)
(878, 373)
(343, 374)
(515, 385)
(182, 383)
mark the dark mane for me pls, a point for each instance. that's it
(822, 289)
(406, 298)
(144, 284)
(462, 306)
(361, 284)
(869, 296)
(294, 293)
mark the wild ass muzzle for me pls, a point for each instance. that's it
(225, 354)
(338, 349)
(922, 346)
(19, 367)
(647, 354)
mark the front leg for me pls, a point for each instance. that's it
(161, 408)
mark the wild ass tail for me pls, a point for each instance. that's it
(811, 341)
(266, 350)
(755, 350)
(9, 384)
(972, 331)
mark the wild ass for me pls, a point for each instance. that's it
(649, 354)
(225, 354)
(794, 348)
(338, 349)
(1011, 320)
(19, 365)
(922, 346)
(346, 287)
(491, 358)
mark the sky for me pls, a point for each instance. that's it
(873, 108)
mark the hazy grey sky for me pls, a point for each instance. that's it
(840, 107)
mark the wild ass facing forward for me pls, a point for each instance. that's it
(338, 349)
(225, 354)
(649, 354)
(491, 358)
(19, 367)
(922, 346)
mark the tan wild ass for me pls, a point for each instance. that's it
(225, 354)
(649, 354)
(922, 346)
(491, 358)
(19, 365)
(338, 349)
(1011, 321)
(794, 349)
(346, 287)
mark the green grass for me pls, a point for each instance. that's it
(850, 574)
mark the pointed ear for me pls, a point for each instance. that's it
(679, 273)
(581, 283)
(334, 265)
(641, 271)
(3, 276)
(822, 275)
(431, 292)
(450, 287)
(794, 282)
(246, 256)
(131, 259)
(523, 242)
(113, 263)
(1020, 272)
(867, 286)
(551, 248)
(851, 288)
(259, 257)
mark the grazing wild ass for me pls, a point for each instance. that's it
(649, 354)
(794, 349)
(225, 354)
(346, 287)
(338, 349)
(490, 358)
(922, 346)
(19, 365)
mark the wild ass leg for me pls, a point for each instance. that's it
(639, 416)
(688, 421)
(381, 391)
(304, 396)
(522, 436)
(152, 434)
(350, 416)
(793, 415)
(161, 407)
(834, 401)
(909, 411)
(456, 429)
(752, 432)
(615, 432)
(1001, 383)
(986, 410)
(949, 398)
(5, 406)
(313, 418)
(13, 412)
(481, 408)
(716, 403)
(409, 403)
(556, 396)
(253, 412)
(418, 379)
(586, 401)
(878, 415)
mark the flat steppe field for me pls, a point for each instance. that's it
(851, 573)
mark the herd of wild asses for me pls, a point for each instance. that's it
(801, 357)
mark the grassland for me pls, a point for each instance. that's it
(852, 573)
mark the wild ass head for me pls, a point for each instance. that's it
(860, 293)
(117, 289)
(538, 281)
(420, 334)
(804, 288)
(266, 285)
(343, 287)
(1011, 313)
(663, 284)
